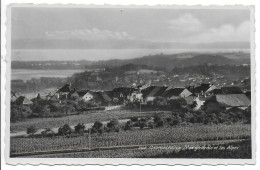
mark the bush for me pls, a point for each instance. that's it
(65, 130)
(134, 119)
(97, 127)
(19, 112)
(113, 125)
(159, 123)
(142, 123)
(157, 118)
(47, 133)
(31, 130)
(176, 120)
(151, 124)
(79, 128)
(128, 125)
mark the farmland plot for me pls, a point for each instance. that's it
(134, 137)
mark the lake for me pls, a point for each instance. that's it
(26, 74)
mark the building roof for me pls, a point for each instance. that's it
(81, 93)
(124, 90)
(23, 100)
(248, 94)
(231, 90)
(154, 91)
(65, 88)
(173, 92)
(103, 96)
(233, 100)
(202, 88)
(38, 96)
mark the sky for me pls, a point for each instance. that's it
(131, 29)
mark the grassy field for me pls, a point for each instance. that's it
(88, 117)
(135, 137)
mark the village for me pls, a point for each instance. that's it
(206, 97)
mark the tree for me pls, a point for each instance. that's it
(113, 125)
(128, 125)
(97, 127)
(65, 130)
(79, 128)
(31, 130)
(160, 101)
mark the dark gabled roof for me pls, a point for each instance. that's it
(38, 96)
(231, 90)
(81, 93)
(248, 94)
(23, 100)
(109, 93)
(103, 96)
(202, 88)
(217, 91)
(173, 92)
(233, 100)
(154, 91)
(191, 88)
(13, 94)
(124, 90)
(65, 88)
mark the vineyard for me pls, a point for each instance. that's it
(243, 152)
(161, 135)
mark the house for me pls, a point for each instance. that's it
(122, 93)
(202, 88)
(73, 95)
(216, 91)
(248, 94)
(63, 92)
(205, 89)
(191, 89)
(85, 95)
(231, 90)
(221, 102)
(176, 93)
(237, 110)
(13, 97)
(211, 89)
(136, 96)
(150, 93)
(102, 98)
(22, 100)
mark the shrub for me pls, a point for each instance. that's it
(65, 130)
(159, 123)
(169, 119)
(176, 120)
(47, 133)
(128, 125)
(31, 130)
(134, 119)
(157, 118)
(142, 123)
(97, 127)
(19, 112)
(151, 124)
(79, 128)
(113, 125)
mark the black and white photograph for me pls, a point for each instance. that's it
(154, 83)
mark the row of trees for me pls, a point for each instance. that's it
(156, 121)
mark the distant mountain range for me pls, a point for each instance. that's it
(180, 60)
(158, 60)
